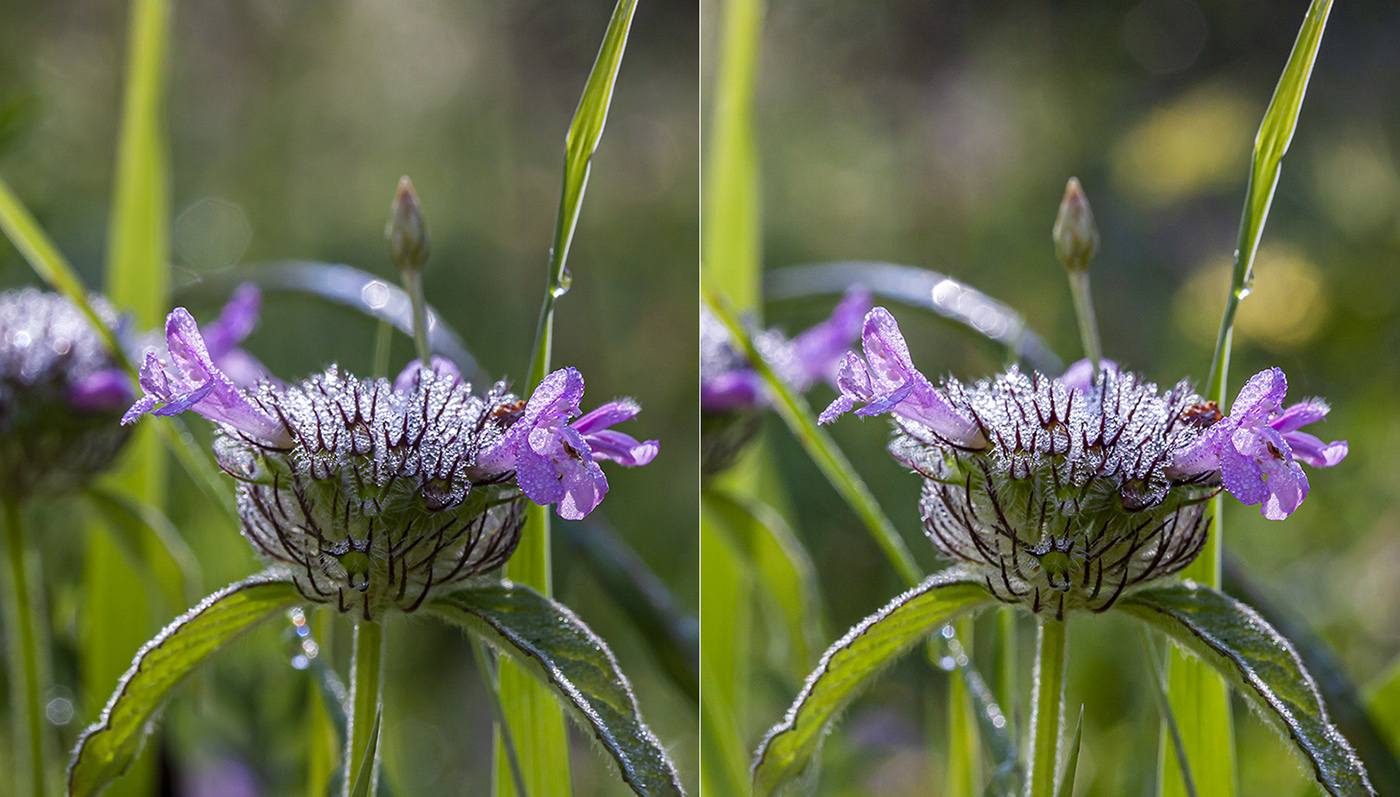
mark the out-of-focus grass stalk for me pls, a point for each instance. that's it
(964, 774)
(366, 693)
(27, 672)
(138, 283)
(1051, 652)
(1198, 696)
(321, 733)
(529, 707)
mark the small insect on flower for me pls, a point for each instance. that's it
(1066, 492)
(61, 393)
(375, 496)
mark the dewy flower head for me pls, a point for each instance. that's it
(375, 495)
(1259, 449)
(60, 394)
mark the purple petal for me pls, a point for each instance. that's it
(556, 398)
(235, 322)
(821, 349)
(1243, 477)
(1202, 454)
(733, 390)
(836, 409)
(610, 414)
(1261, 395)
(1300, 415)
(584, 488)
(1080, 375)
(1312, 451)
(622, 448)
(104, 391)
(886, 352)
(142, 406)
(407, 380)
(242, 368)
(1287, 485)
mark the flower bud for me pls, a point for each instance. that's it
(61, 395)
(379, 503)
(408, 230)
(1071, 503)
(1076, 237)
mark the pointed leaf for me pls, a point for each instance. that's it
(853, 662)
(1066, 788)
(109, 746)
(1262, 665)
(562, 653)
(365, 777)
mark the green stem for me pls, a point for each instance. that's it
(383, 345)
(366, 692)
(1051, 652)
(1006, 673)
(493, 690)
(413, 284)
(24, 663)
(1084, 310)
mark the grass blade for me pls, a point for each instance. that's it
(725, 627)
(822, 449)
(944, 296)
(853, 662)
(1066, 788)
(1235, 641)
(1198, 697)
(528, 706)
(364, 779)
(1159, 691)
(151, 544)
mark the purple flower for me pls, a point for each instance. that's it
(1080, 375)
(1258, 448)
(887, 381)
(101, 391)
(556, 462)
(813, 356)
(235, 323)
(190, 380)
(407, 379)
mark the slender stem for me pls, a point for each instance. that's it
(383, 345)
(1084, 310)
(366, 692)
(413, 284)
(1051, 652)
(1006, 673)
(1164, 707)
(25, 663)
(493, 689)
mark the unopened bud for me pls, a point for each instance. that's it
(407, 230)
(1076, 237)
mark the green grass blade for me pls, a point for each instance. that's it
(962, 305)
(364, 779)
(151, 544)
(1263, 666)
(528, 706)
(1066, 788)
(786, 575)
(726, 615)
(853, 662)
(1198, 698)
(576, 666)
(732, 242)
(822, 449)
(110, 745)
(1159, 691)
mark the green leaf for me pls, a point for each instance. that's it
(1066, 788)
(726, 617)
(945, 297)
(821, 448)
(364, 779)
(1261, 665)
(554, 645)
(853, 662)
(151, 544)
(732, 241)
(109, 746)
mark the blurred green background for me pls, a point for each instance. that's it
(941, 135)
(289, 126)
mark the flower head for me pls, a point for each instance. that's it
(60, 393)
(1259, 449)
(886, 381)
(557, 462)
(1070, 503)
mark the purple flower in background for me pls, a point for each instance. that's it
(1258, 447)
(728, 383)
(236, 322)
(106, 390)
(407, 379)
(887, 381)
(1080, 375)
(556, 462)
(191, 380)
